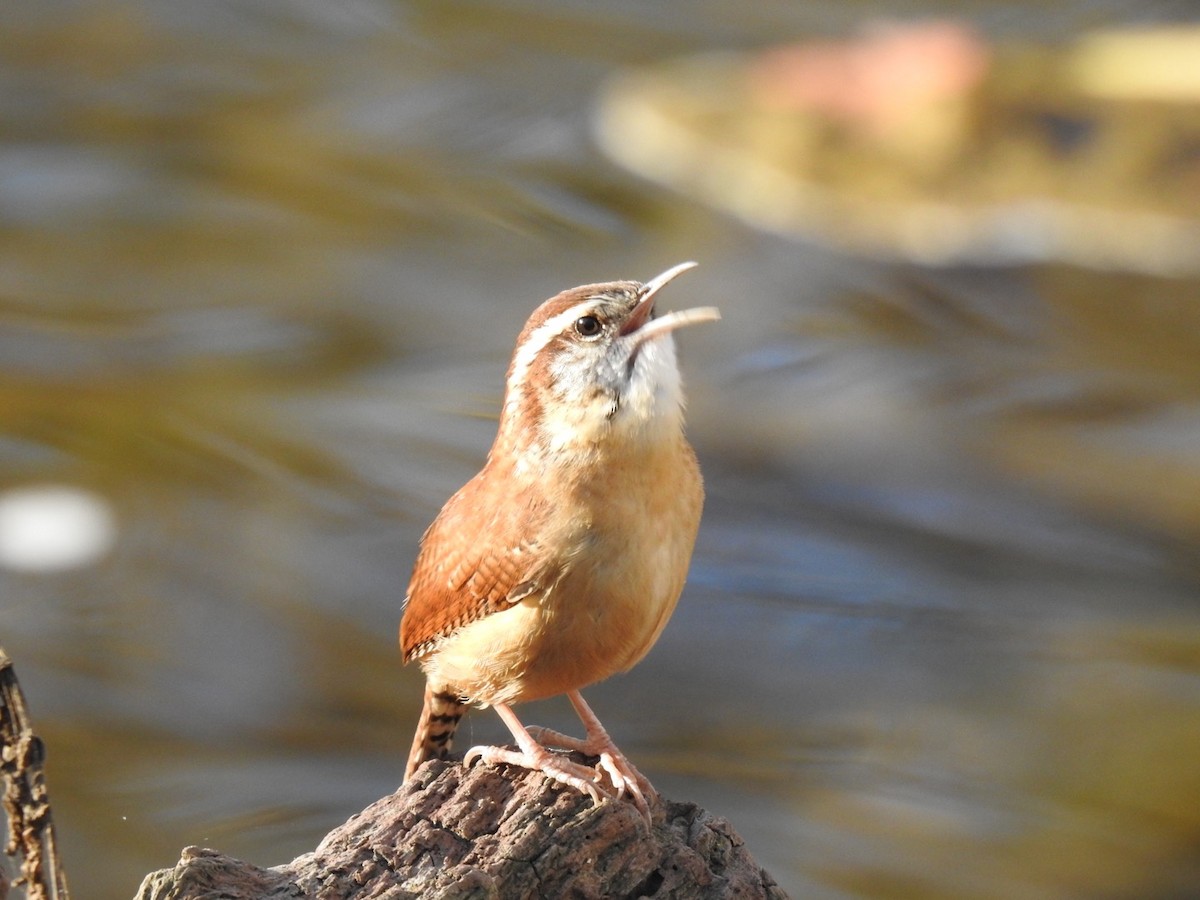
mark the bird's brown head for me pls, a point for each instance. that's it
(594, 364)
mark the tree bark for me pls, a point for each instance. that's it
(491, 832)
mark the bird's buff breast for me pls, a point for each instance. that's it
(614, 587)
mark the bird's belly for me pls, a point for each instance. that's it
(485, 660)
(600, 618)
(599, 623)
(608, 598)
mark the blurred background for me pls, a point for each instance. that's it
(263, 264)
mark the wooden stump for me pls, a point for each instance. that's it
(490, 832)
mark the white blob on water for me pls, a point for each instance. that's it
(49, 528)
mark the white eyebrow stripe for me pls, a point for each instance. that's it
(537, 341)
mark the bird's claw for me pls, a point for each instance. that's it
(582, 778)
(625, 778)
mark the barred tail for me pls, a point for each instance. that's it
(435, 730)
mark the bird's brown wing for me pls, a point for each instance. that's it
(475, 560)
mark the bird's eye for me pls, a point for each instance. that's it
(588, 326)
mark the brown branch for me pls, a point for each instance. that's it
(26, 803)
(491, 832)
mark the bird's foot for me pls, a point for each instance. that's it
(582, 778)
(623, 774)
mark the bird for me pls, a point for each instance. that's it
(559, 563)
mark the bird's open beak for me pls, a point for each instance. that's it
(647, 329)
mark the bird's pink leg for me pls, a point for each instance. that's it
(533, 755)
(624, 775)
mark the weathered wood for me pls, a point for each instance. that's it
(26, 802)
(490, 832)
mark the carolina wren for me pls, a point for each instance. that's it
(560, 562)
